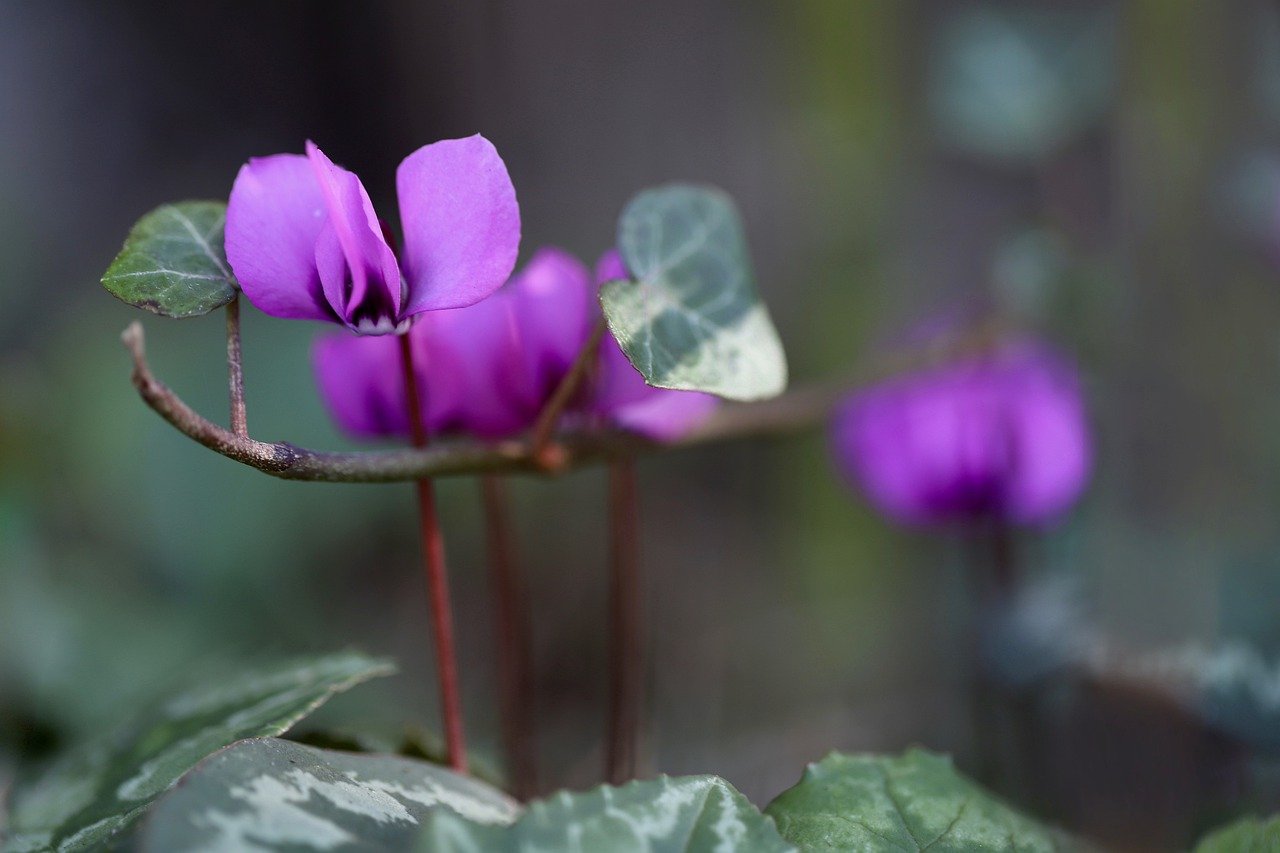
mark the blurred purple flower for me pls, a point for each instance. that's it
(1002, 435)
(489, 368)
(303, 239)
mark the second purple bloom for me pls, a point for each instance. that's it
(488, 369)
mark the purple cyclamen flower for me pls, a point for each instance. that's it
(1000, 435)
(488, 369)
(305, 243)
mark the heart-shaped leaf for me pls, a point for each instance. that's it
(913, 802)
(173, 262)
(101, 788)
(674, 815)
(691, 319)
(267, 794)
(1245, 836)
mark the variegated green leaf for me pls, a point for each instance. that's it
(101, 788)
(268, 794)
(687, 814)
(173, 262)
(691, 319)
(913, 802)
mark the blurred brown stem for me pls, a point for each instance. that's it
(514, 638)
(235, 370)
(626, 653)
(545, 426)
(437, 579)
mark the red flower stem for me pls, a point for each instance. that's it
(235, 370)
(626, 655)
(437, 578)
(515, 664)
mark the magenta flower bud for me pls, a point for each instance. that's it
(305, 243)
(1001, 435)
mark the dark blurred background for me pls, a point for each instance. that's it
(1106, 173)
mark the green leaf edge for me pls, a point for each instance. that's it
(379, 666)
(534, 810)
(139, 827)
(147, 305)
(1061, 840)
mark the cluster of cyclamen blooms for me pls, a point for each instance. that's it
(488, 369)
(305, 243)
(1001, 436)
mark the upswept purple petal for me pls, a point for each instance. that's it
(666, 415)
(361, 378)
(617, 382)
(461, 223)
(476, 362)
(1053, 449)
(358, 270)
(274, 217)
(611, 267)
(360, 381)
(1003, 436)
(551, 298)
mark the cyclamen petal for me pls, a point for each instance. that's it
(476, 362)
(666, 415)
(305, 243)
(358, 270)
(611, 267)
(552, 301)
(461, 223)
(361, 384)
(274, 217)
(1002, 436)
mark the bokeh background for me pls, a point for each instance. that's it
(1106, 173)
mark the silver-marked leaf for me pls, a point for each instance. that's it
(674, 815)
(691, 319)
(173, 262)
(102, 787)
(1250, 835)
(268, 794)
(913, 802)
